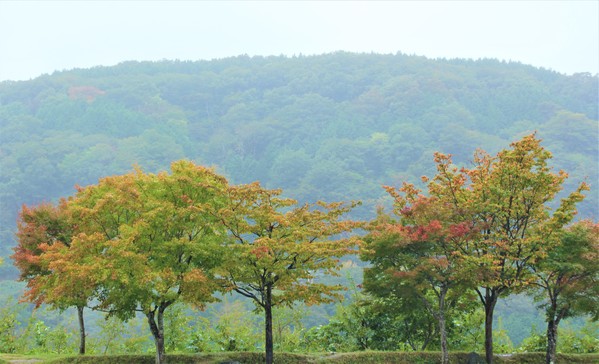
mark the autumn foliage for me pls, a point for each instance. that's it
(142, 242)
(480, 228)
(139, 243)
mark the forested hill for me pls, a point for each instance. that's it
(333, 127)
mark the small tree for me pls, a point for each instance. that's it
(416, 255)
(569, 279)
(40, 229)
(277, 250)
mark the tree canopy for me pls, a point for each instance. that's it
(278, 250)
(479, 227)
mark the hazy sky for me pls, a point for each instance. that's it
(39, 37)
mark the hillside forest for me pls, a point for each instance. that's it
(121, 186)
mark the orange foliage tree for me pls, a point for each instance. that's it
(42, 230)
(277, 250)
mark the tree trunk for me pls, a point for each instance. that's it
(158, 333)
(268, 325)
(81, 330)
(551, 341)
(442, 331)
(554, 316)
(444, 351)
(489, 303)
(428, 337)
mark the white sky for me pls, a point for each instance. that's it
(38, 37)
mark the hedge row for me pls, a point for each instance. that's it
(342, 358)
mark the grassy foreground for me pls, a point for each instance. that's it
(289, 358)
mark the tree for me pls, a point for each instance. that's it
(149, 241)
(414, 256)
(277, 250)
(505, 199)
(41, 229)
(501, 205)
(508, 200)
(569, 279)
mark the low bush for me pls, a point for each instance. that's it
(364, 357)
(233, 357)
(536, 358)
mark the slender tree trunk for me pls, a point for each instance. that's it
(428, 337)
(554, 316)
(158, 333)
(442, 332)
(551, 341)
(489, 303)
(81, 330)
(268, 325)
(444, 351)
(161, 330)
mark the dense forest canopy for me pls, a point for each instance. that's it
(333, 127)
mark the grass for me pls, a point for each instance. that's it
(40, 358)
(368, 357)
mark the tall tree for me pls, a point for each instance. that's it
(414, 255)
(41, 229)
(150, 241)
(509, 200)
(277, 250)
(569, 279)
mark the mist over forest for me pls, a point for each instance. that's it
(332, 127)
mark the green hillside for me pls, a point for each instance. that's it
(332, 127)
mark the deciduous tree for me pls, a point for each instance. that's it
(414, 255)
(501, 205)
(569, 279)
(150, 241)
(41, 230)
(278, 250)
(508, 199)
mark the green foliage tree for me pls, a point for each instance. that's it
(148, 241)
(114, 337)
(508, 201)
(277, 250)
(229, 326)
(288, 327)
(580, 340)
(369, 323)
(569, 279)
(399, 323)
(8, 328)
(469, 331)
(177, 328)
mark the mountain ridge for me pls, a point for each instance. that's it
(335, 126)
